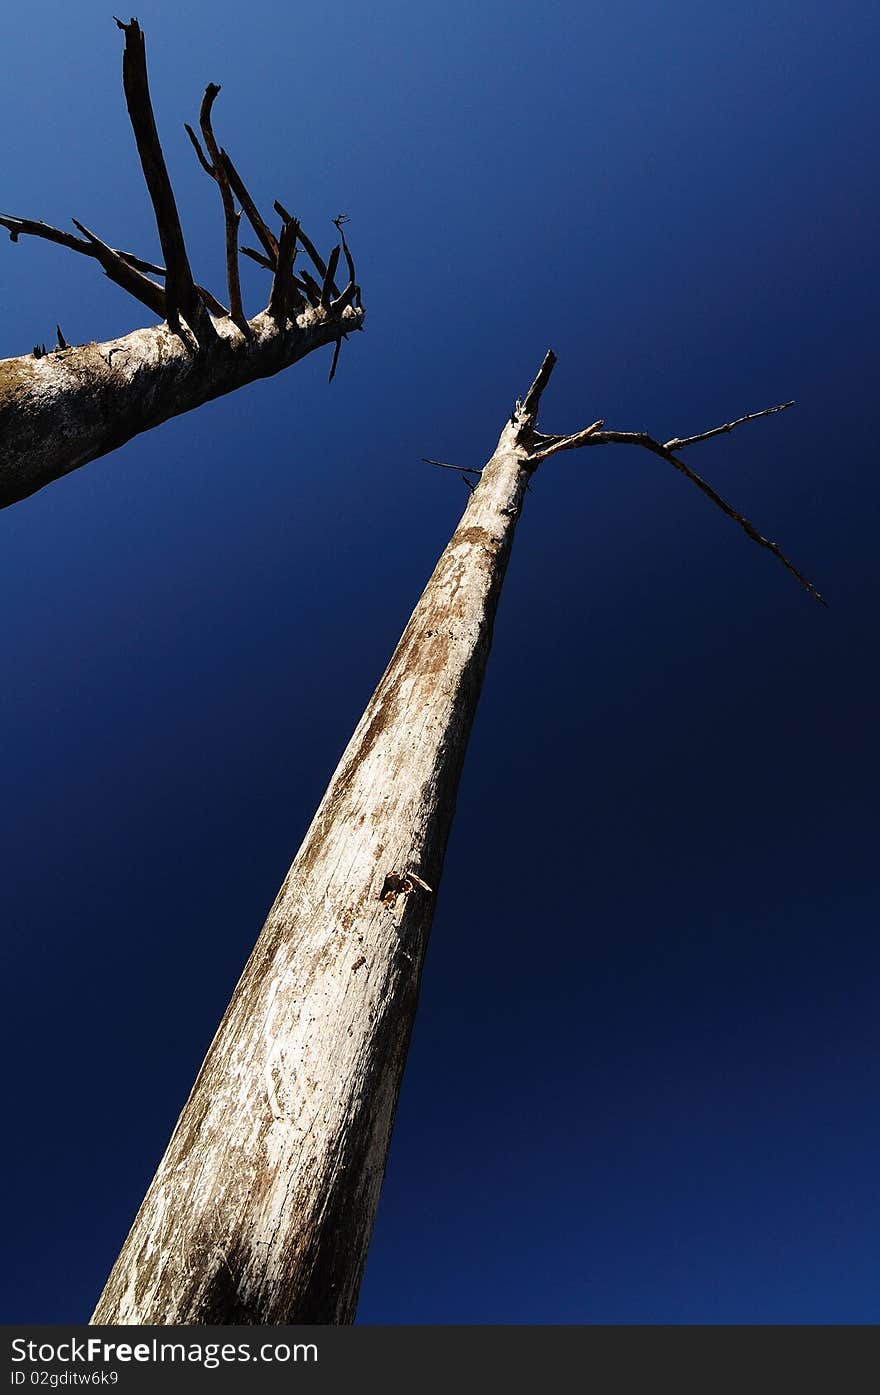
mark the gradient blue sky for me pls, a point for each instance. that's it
(674, 1118)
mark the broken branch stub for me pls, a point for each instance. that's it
(77, 402)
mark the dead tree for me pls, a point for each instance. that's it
(63, 407)
(262, 1207)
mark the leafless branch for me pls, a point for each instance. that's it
(551, 445)
(124, 274)
(313, 290)
(339, 222)
(351, 292)
(336, 348)
(265, 235)
(230, 216)
(308, 247)
(142, 288)
(328, 288)
(348, 297)
(462, 469)
(200, 154)
(594, 436)
(121, 267)
(282, 281)
(679, 442)
(528, 408)
(181, 294)
(258, 258)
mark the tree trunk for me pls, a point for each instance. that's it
(68, 407)
(59, 410)
(262, 1208)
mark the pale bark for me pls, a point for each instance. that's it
(262, 1208)
(61, 409)
(71, 406)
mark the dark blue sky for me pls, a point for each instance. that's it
(643, 1082)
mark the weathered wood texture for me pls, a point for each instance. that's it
(71, 406)
(59, 410)
(262, 1207)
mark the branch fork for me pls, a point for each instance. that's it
(537, 446)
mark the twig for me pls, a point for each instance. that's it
(230, 217)
(553, 444)
(336, 348)
(328, 287)
(593, 437)
(541, 446)
(462, 469)
(258, 258)
(351, 292)
(339, 221)
(679, 442)
(348, 297)
(200, 154)
(251, 212)
(308, 247)
(313, 290)
(125, 275)
(122, 267)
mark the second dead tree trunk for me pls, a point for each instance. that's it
(262, 1207)
(63, 407)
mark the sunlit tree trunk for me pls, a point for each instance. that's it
(262, 1207)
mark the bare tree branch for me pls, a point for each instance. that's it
(532, 399)
(339, 221)
(125, 275)
(462, 469)
(251, 212)
(553, 444)
(92, 246)
(181, 295)
(348, 297)
(336, 349)
(62, 408)
(679, 442)
(313, 290)
(308, 246)
(282, 281)
(200, 154)
(541, 446)
(328, 288)
(121, 267)
(258, 258)
(352, 290)
(215, 168)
